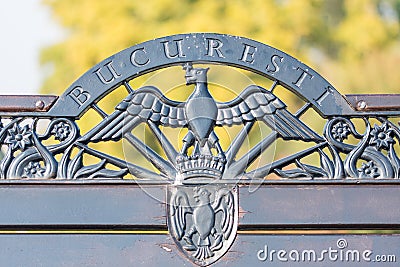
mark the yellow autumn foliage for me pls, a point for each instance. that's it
(354, 44)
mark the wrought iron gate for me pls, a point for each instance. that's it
(199, 172)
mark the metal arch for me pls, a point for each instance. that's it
(203, 184)
(200, 48)
(375, 149)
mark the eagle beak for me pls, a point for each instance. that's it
(189, 78)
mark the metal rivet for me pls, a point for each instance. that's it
(39, 104)
(361, 104)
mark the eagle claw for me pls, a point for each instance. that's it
(217, 243)
(189, 244)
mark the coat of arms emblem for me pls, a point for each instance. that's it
(203, 220)
(202, 199)
(203, 202)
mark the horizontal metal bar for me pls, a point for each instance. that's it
(284, 206)
(326, 228)
(160, 250)
(83, 232)
(314, 205)
(165, 232)
(79, 228)
(26, 103)
(82, 205)
(374, 102)
(42, 103)
(163, 229)
(160, 182)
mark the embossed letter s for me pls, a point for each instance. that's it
(275, 65)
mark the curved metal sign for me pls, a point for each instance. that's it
(201, 48)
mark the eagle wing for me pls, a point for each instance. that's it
(146, 103)
(179, 207)
(256, 103)
(225, 203)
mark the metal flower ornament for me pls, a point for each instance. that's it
(202, 176)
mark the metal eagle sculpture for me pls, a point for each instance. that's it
(200, 114)
(202, 201)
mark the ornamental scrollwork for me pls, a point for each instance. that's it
(373, 156)
(25, 153)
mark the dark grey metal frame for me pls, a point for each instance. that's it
(376, 145)
(353, 187)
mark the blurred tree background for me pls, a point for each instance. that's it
(354, 44)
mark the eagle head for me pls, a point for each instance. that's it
(201, 195)
(195, 75)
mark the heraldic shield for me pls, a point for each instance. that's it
(203, 220)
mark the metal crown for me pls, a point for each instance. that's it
(200, 166)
